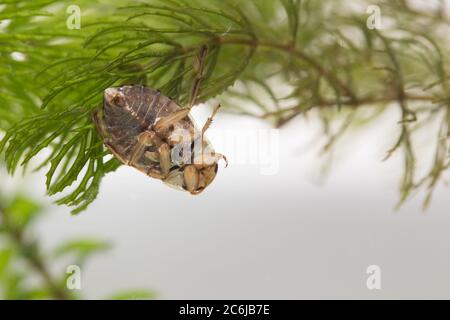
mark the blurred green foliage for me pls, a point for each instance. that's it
(27, 272)
(271, 59)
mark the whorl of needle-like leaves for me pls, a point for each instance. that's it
(320, 52)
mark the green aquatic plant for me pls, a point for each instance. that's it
(324, 54)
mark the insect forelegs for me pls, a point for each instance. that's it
(165, 161)
(199, 67)
(205, 159)
(145, 139)
(191, 178)
(171, 119)
(210, 120)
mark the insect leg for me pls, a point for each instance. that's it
(220, 156)
(145, 139)
(164, 158)
(191, 179)
(199, 66)
(165, 122)
(202, 161)
(155, 174)
(209, 121)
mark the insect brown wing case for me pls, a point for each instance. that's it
(125, 125)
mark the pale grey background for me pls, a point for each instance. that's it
(292, 235)
(250, 236)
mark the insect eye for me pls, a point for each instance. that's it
(114, 97)
(117, 100)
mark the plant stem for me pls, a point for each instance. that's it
(31, 254)
(291, 49)
(357, 103)
(354, 101)
(287, 48)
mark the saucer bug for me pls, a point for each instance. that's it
(150, 132)
(147, 130)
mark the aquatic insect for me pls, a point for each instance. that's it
(147, 130)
